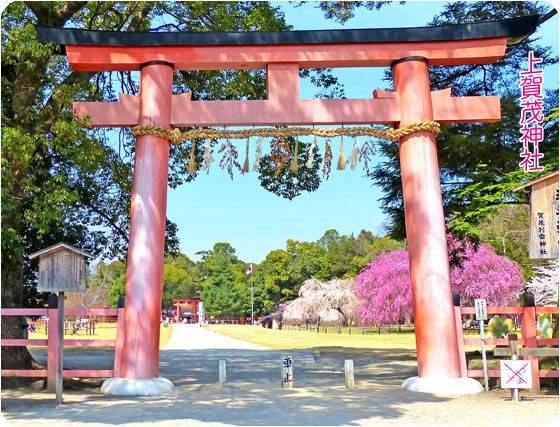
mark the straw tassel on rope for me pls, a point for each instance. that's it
(341, 164)
(192, 163)
(246, 164)
(294, 166)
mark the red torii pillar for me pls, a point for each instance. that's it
(425, 225)
(438, 357)
(144, 274)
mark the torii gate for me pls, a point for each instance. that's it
(408, 51)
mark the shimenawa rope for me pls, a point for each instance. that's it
(390, 134)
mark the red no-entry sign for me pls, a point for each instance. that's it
(515, 374)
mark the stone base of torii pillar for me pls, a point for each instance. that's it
(450, 386)
(136, 386)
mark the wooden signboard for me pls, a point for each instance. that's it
(62, 268)
(543, 233)
(543, 230)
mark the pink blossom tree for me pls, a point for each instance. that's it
(484, 274)
(385, 296)
(383, 290)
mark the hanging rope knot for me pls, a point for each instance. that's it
(390, 134)
(175, 136)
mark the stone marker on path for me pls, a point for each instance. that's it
(349, 373)
(222, 372)
(287, 376)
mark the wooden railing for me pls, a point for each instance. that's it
(529, 339)
(53, 338)
(230, 320)
(354, 329)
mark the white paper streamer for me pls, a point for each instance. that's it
(353, 159)
(208, 159)
(309, 163)
(258, 154)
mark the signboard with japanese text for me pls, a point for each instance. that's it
(515, 374)
(287, 370)
(480, 309)
(543, 232)
(62, 268)
(62, 271)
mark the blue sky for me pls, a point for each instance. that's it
(215, 209)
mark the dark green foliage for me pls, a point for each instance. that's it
(225, 290)
(290, 184)
(342, 11)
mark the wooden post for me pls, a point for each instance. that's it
(222, 373)
(529, 332)
(514, 351)
(60, 348)
(52, 344)
(460, 339)
(119, 343)
(349, 373)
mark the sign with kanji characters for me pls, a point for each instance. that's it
(62, 268)
(515, 374)
(480, 309)
(532, 106)
(287, 370)
(543, 233)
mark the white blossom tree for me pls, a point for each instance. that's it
(544, 285)
(331, 301)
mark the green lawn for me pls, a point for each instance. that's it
(287, 339)
(103, 331)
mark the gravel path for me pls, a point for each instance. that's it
(253, 396)
(191, 337)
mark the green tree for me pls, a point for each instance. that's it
(272, 282)
(182, 278)
(342, 11)
(225, 291)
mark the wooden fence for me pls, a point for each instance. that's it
(529, 339)
(356, 329)
(53, 338)
(230, 320)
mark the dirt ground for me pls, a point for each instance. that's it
(253, 396)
